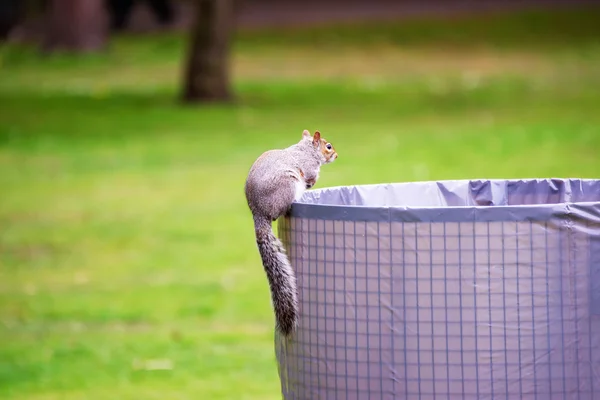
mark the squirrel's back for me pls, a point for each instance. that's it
(278, 177)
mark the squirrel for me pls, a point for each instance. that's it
(277, 179)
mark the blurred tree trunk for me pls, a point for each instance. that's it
(207, 71)
(75, 25)
(11, 12)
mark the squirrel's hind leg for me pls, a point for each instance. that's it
(282, 199)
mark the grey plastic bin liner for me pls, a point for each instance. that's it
(445, 290)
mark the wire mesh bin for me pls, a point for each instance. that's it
(445, 290)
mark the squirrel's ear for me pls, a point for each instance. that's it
(305, 134)
(316, 138)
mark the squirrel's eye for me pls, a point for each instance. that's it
(328, 146)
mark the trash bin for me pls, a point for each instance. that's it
(482, 289)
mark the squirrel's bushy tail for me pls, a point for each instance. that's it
(280, 275)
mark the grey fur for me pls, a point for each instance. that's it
(276, 179)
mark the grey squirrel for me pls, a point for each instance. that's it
(277, 179)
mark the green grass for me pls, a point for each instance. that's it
(124, 233)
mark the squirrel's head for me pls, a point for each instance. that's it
(326, 148)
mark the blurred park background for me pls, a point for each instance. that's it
(128, 268)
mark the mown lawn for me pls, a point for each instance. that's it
(128, 268)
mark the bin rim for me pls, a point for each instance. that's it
(485, 200)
